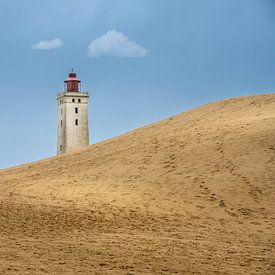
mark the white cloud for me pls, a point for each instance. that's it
(115, 43)
(48, 44)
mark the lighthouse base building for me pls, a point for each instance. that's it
(73, 129)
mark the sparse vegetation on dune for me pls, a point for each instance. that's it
(192, 193)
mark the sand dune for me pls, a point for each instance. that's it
(194, 193)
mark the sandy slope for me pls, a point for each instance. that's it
(193, 193)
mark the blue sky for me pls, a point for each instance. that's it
(148, 60)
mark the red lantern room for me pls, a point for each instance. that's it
(72, 83)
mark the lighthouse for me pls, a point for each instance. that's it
(73, 128)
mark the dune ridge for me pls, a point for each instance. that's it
(191, 194)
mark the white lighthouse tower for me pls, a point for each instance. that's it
(73, 129)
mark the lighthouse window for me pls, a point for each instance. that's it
(76, 110)
(79, 100)
(61, 147)
(73, 100)
(61, 111)
(76, 122)
(61, 123)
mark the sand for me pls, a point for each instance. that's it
(194, 193)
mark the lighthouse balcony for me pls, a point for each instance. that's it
(72, 94)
